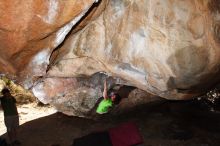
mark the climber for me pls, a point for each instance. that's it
(11, 117)
(108, 101)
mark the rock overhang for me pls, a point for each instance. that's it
(167, 48)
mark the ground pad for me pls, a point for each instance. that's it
(125, 134)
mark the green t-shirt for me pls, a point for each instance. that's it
(9, 106)
(104, 106)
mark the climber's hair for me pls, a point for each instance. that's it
(117, 98)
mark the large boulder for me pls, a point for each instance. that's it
(31, 30)
(57, 48)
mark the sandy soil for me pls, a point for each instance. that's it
(28, 112)
(160, 124)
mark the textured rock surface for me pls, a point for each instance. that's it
(79, 96)
(73, 96)
(169, 48)
(30, 30)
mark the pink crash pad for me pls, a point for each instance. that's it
(126, 134)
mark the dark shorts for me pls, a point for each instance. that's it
(11, 122)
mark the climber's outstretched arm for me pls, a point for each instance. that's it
(105, 90)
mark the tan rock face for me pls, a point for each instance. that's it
(28, 27)
(169, 48)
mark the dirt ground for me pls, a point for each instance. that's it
(160, 124)
(28, 112)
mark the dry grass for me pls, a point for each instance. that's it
(22, 95)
